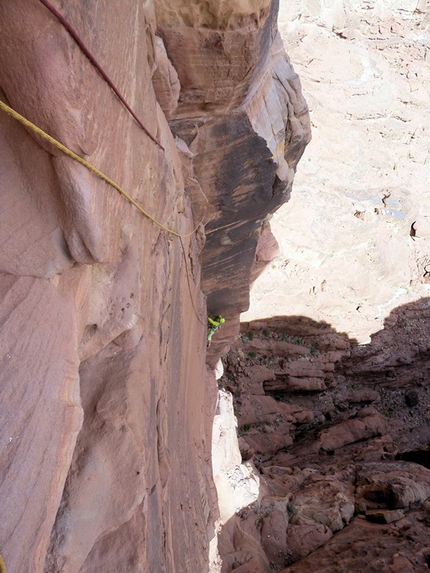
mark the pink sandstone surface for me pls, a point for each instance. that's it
(127, 445)
(106, 404)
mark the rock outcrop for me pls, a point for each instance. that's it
(347, 456)
(107, 408)
(245, 122)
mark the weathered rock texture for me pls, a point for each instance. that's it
(338, 431)
(332, 427)
(106, 410)
(342, 450)
(245, 122)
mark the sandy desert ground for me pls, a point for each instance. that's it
(354, 237)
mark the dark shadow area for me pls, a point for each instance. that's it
(421, 457)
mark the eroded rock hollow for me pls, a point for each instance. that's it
(106, 404)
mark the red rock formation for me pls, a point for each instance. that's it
(245, 122)
(335, 457)
(106, 408)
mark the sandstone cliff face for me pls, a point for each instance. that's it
(107, 409)
(245, 122)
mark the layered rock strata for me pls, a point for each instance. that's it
(107, 409)
(338, 435)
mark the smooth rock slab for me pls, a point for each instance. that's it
(40, 412)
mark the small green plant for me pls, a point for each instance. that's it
(314, 350)
(250, 336)
(266, 333)
(252, 354)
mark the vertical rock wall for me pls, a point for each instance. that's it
(105, 414)
(242, 115)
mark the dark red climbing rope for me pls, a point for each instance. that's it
(94, 62)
